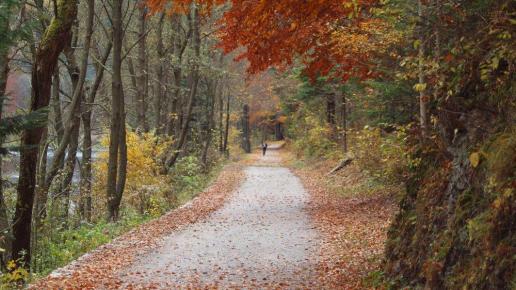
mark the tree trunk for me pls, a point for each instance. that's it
(50, 46)
(143, 83)
(4, 73)
(209, 125)
(114, 193)
(40, 203)
(344, 124)
(134, 80)
(423, 99)
(69, 168)
(174, 123)
(160, 80)
(86, 171)
(278, 128)
(40, 206)
(330, 109)
(56, 106)
(122, 160)
(246, 140)
(175, 116)
(78, 76)
(221, 121)
(226, 131)
(196, 40)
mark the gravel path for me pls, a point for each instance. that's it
(261, 238)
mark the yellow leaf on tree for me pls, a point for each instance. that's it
(474, 159)
(420, 87)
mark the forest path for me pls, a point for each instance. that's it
(261, 238)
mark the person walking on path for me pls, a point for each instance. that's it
(264, 148)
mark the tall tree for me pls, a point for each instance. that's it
(226, 130)
(344, 121)
(143, 82)
(5, 33)
(213, 87)
(196, 43)
(117, 162)
(56, 36)
(70, 135)
(175, 115)
(246, 135)
(160, 75)
(87, 143)
(421, 86)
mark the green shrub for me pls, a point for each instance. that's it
(314, 138)
(383, 155)
(57, 248)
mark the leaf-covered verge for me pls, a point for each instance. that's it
(352, 211)
(98, 268)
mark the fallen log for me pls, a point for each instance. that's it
(343, 163)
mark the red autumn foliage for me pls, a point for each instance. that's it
(274, 33)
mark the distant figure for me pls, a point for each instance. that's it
(264, 148)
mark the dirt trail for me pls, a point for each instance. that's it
(261, 238)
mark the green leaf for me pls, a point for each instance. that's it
(417, 44)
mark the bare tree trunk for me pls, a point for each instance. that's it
(423, 114)
(246, 140)
(143, 84)
(122, 159)
(344, 124)
(221, 120)
(278, 128)
(40, 210)
(226, 131)
(133, 78)
(437, 49)
(69, 169)
(175, 113)
(41, 198)
(114, 193)
(196, 41)
(330, 113)
(86, 171)
(78, 75)
(209, 125)
(174, 122)
(50, 46)
(56, 106)
(160, 80)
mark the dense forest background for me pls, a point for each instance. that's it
(113, 112)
